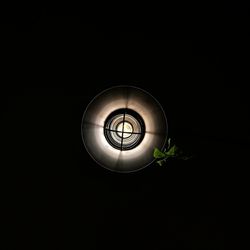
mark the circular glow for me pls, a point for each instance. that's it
(122, 126)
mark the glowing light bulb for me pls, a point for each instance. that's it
(124, 129)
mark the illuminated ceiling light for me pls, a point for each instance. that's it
(122, 126)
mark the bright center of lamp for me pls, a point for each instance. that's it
(124, 129)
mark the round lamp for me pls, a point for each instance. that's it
(121, 127)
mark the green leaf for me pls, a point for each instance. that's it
(158, 154)
(172, 151)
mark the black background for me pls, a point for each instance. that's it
(55, 65)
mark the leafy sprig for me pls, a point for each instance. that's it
(169, 152)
